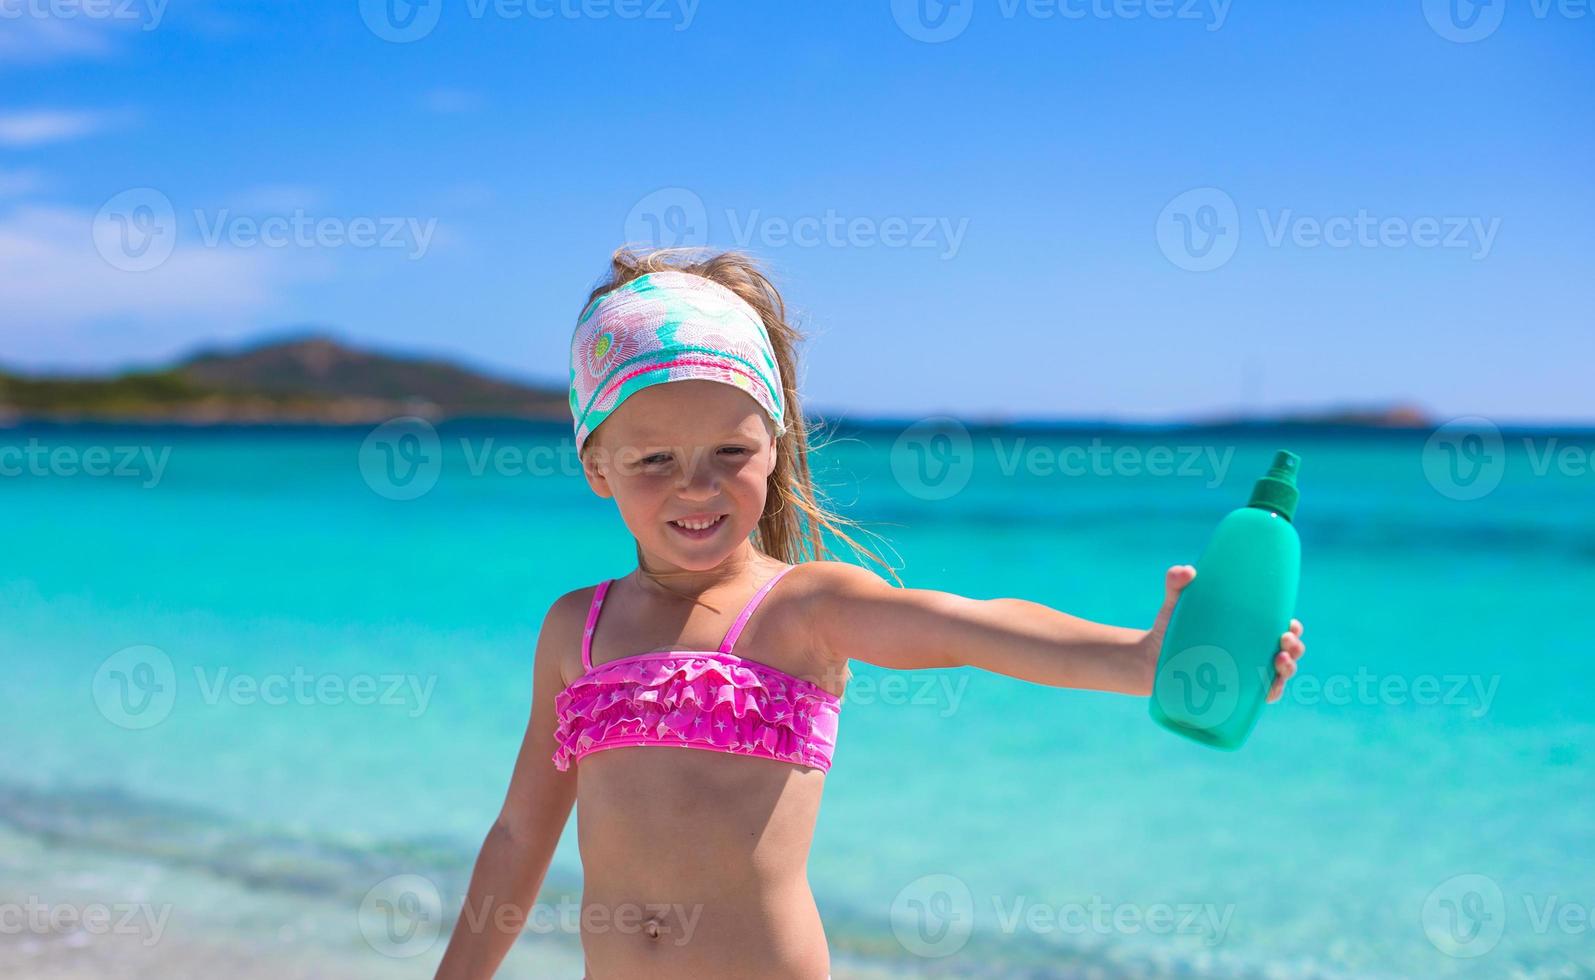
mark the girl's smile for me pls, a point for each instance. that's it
(698, 527)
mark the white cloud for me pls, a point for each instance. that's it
(15, 183)
(139, 280)
(41, 32)
(51, 277)
(35, 126)
(39, 40)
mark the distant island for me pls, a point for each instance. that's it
(1398, 416)
(319, 379)
(303, 378)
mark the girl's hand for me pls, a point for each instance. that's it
(1291, 647)
(1290, 650)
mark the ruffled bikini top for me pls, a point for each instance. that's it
(695, 699)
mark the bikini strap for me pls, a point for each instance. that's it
(592, 621)
(753, 603)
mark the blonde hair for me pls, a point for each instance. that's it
(796, 517)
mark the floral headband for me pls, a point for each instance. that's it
(668, 326)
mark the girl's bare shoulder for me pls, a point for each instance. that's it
(819, 583)
(818, 591)
(561, 633)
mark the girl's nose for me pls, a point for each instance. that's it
(698, 477)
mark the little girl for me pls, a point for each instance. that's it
(691, 705)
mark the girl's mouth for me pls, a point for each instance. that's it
(698, 530)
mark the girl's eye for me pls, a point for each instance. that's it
(660, 459)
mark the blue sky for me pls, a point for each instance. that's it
(1084, 208)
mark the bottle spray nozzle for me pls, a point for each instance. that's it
(1277, 490)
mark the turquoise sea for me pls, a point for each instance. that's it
(263, 688)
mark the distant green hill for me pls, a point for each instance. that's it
(315, 378)
(304, 378)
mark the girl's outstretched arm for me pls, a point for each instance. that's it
(860, 616)
(515, 856)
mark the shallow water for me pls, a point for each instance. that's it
(246, 679)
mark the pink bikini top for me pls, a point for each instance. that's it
(695, 699)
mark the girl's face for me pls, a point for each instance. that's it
(687, 451)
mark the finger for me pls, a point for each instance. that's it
(1174, 582)
(1284, 670)
(1295, 626)
(1289, 643)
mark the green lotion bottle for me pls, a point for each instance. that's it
(1217, 660)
